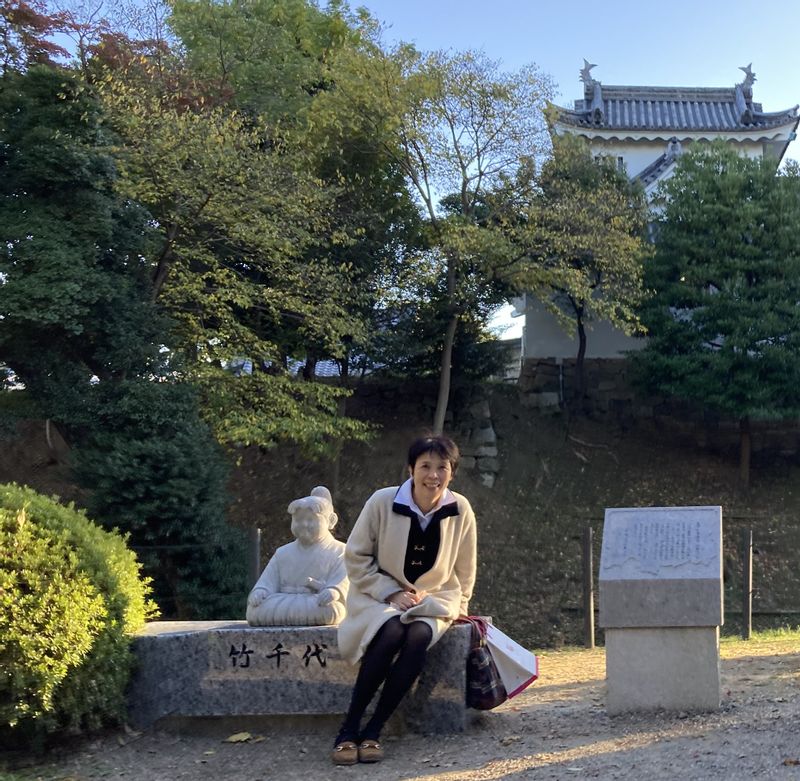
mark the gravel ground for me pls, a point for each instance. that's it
(557, 729)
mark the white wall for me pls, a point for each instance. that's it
(545, 338)
(638, 154)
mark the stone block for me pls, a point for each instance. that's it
(486, 451)
(483, 436)
(675, 669)
(230, 669)
(487, 479)
(658, 603)
(661, 605)
(480, 410)
(661, 566)
(488, 465)
(541, 400)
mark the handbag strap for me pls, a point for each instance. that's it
(478, 624)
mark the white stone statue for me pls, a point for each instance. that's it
(305, 582)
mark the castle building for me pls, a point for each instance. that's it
(645, 130)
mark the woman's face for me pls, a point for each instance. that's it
(431, 474)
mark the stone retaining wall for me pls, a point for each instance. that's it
(468, 419)
(548, 384)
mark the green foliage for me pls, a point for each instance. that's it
(583, 237)
(239, 214)
(286, 65)
(271, 56)
(412, 317)
(76, 300)
(455, 124)
(586, 228)
(82, 330)
(724, 323)
(155, 472)
(70, 598)
(50, 616)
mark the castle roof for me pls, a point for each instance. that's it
(672, 110)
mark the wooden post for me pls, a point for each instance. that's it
(255, 554)
(747, 583)
(588, 589)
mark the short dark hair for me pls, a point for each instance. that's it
(442, 446)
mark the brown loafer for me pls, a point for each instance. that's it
(370, 751)
(345, 753)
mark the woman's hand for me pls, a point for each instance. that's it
(403, 600)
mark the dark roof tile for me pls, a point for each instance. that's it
(671, 108)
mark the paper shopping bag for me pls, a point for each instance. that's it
(517, 666)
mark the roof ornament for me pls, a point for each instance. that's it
(674, 149)
(586, 76)
(749, 80)
(592, 93)
(743, 96)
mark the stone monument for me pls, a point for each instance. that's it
(305, 582)
(661, 604)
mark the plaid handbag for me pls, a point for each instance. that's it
(485, 689)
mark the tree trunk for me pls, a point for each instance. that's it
(444, 375)
(744, 452)
(447, 350)
(344, 370)
(336, 464)
(310, 368)
(580, 372)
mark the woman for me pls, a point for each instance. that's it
(411, 563)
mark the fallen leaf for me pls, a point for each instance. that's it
(238, 737)
(209, 752)
(509, 739)
(791, 761)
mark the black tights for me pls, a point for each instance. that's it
(409, 642)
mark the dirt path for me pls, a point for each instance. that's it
(558, 729)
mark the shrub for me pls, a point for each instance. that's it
(70, 597)
(152, 469)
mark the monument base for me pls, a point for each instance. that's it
(227, 669)
(666, 668)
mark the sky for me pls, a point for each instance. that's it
(680, 43)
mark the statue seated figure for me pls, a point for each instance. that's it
(305, 582)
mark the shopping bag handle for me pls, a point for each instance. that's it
(478, 623)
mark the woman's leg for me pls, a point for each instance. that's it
(401, 676)
(375, 666)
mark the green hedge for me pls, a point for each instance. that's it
(71, 595)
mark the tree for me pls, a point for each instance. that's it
(586, 226)
(458, 126)
(724, 323)
(80, 327)
(268, 57)
(25, 35)
(234, 210)
(281, 63)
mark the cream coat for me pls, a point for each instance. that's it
(375, 559)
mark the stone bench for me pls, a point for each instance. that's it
(228, 668)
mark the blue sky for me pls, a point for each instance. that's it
(678, 43)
